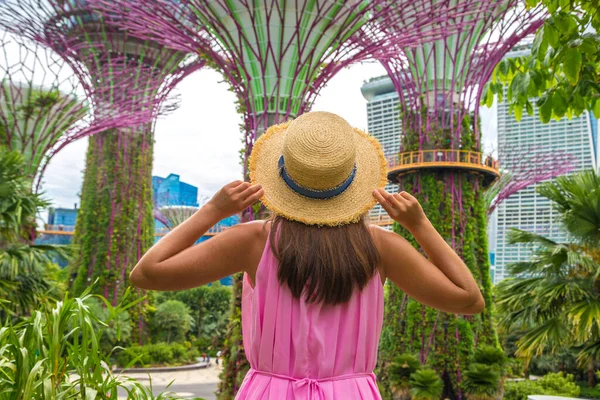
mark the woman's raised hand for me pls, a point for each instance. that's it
(235, 197)
(402, 207)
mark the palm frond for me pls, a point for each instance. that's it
(519, 236)
(591, 351)
(585, 317)
(547, 337)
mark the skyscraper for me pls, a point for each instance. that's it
(526, 209)
(170, 191)
(383, 119)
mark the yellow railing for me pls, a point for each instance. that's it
(211, 232)
(381, 220)
(443, 157)
(59, 228)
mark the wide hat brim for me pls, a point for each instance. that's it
(348, 207)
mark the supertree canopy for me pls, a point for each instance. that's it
(440, 82)
(115, 224)
(440, 85)
(276, 54)
(43, 107)
(528, 166)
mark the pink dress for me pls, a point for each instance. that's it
(308, 351)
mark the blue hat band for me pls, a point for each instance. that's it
(311, 193)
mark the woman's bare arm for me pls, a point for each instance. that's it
(174, 263)
(443, 281)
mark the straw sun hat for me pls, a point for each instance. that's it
(318, 170)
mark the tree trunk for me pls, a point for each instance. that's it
(454, 203)
(591, 374)
(115, 226)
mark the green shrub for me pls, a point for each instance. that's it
(179, 351)
(515, 367)
(560, 384)
(160, 353)
(156, 354)
(399, 371)
(481, 382)
(492, 356)
(426, 385)
(588, 392)
(172, 321)
(210, 308)
(553, 384)
(126, 357)
(519, 390)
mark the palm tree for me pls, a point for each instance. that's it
(25, 268)
(399, 372)
(482, 382)
(554, 297)
(426, 385)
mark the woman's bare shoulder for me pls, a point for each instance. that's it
(386, 241)
(382, 236)
(254, 233)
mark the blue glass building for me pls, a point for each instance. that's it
(62, 216)
(170, 191)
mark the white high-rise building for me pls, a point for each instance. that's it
(527, 210)
(383, 118)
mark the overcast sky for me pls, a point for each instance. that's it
(200, 141)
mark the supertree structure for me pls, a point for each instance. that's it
(529, 165)
(43, 106)
(277, 55)
(115, 224)
(440, 84)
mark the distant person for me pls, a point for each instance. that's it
(218, 357)
(312, 308)
(204, 357)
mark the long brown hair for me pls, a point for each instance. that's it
(324, 264)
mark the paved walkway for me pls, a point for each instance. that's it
(186, 384)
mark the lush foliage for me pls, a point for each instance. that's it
(590, 392)
(399, 372)
(493, 356)
(554, 384)
(115, 224)
(235, 364)
(481, 382)
(157, 354)
(563, 69)
(116, 329)
(403, 366)
(554, 299)
(209, 307)
(426, 385)
(172, 321)
(455, 205)
(27, 271)
(54, 354)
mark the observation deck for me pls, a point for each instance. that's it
(442, 159)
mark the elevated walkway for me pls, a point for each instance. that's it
(443, 159)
